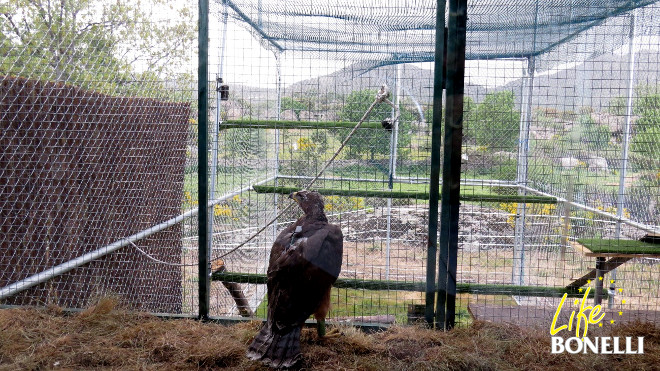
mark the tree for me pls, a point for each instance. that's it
(372, 142)
(590, 134)
(105, 45)
(288, 103)
(646, 140)
(646, 130)
(495, 122)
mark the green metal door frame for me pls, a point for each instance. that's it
(204, 283)
(445, 316)
(436, 139)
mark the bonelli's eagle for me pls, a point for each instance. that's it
(305, 261)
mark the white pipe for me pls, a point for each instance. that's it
(216, 127)
(393, 147)
(278, 65)
(643, 227)
(626, 140)
(57, 270)
(518, 273)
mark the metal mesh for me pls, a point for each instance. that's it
(99, 150)
(96, 153)
(380, 35)
(545, 86)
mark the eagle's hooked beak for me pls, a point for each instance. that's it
(294, 196)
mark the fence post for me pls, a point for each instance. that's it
(621, 199)
(202, 159)
(436, 137)
(518, 273)
(451, 165)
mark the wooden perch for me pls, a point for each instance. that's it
(234, 289)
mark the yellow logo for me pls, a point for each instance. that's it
(587, 315)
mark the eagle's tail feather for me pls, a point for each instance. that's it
(276, 350)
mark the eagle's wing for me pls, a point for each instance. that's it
(299, 275)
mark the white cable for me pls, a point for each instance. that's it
(381, 97)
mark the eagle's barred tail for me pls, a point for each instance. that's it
(276, 350)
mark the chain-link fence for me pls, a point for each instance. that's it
(559, 153)
(96, 163)
(543, 159)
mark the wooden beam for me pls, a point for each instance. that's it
(606, 268)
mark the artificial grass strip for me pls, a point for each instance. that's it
(419, 195)
(597, 245)
(291, 124)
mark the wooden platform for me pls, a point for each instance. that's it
(542, 316)
(609, 254)
(612, 248)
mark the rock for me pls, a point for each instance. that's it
(569, 162)
(504, 155)
(310, 116)
(288, 115)
(597, 163)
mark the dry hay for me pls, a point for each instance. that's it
(105, 337)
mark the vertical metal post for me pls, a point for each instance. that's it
(216, 126)
(626, 141)
(394, 138)
(278, 104)
(518, 274)
(451, 165)
(600, 268)
(436, 137)
(202, 158)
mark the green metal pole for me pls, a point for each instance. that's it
(436, 137)
(202, 158)
(451, 166)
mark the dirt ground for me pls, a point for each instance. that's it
(109, 338)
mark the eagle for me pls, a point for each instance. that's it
(305, 261)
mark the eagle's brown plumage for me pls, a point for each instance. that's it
(305, 261)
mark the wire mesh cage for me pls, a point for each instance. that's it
(544, 164)
(559, 153)
(96, 138)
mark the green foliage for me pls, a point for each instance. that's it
(590, 134)
(372, 142)
(105, 45)
(645, 143)
(468, 111)
(494, 123)
(617, 106)
(245, 143)
(288, 103)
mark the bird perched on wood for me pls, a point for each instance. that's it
(305, 261)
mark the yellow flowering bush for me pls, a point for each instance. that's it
(532, 209)
(305, 144)
(340, 204)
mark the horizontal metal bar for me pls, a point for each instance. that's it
(632, 223)
(57, 270)
(419, 286)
